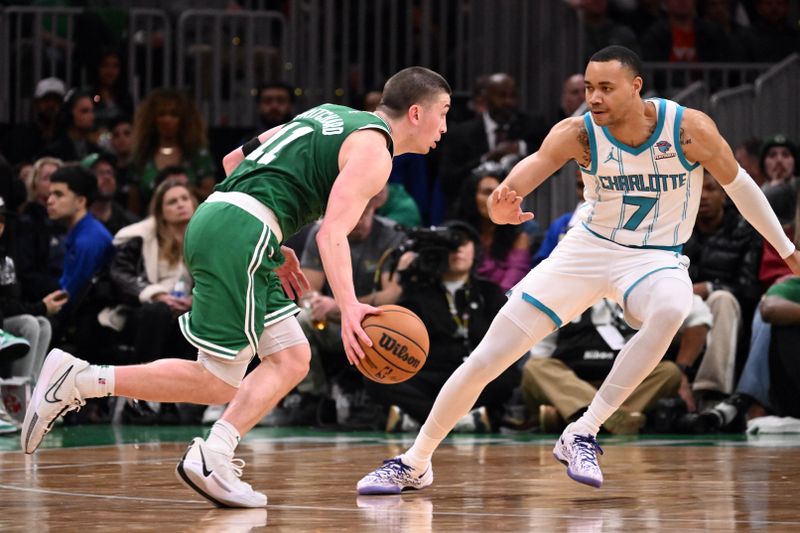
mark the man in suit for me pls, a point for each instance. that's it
(502, 130)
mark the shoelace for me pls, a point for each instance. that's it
(237, 465)
(587, 447)
(393, 468)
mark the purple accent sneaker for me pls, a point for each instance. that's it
(393, 477)
(579, 454)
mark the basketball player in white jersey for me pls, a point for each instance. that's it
(642, 163)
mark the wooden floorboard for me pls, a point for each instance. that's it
(478, 486)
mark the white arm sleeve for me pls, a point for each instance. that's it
(756, 210)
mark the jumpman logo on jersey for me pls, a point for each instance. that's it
(611, 157)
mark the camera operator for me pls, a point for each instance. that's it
(457, 307)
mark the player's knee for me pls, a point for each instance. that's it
(220, 391)
(671, 315)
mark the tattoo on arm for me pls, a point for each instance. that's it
(583, 139)
(684, 138)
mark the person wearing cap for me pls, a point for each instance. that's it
(75, 127)
(779, 157)
(24, 142)
(457, 309)
(104, 208)
(88, 245)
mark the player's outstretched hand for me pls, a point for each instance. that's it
(505, 207)
(794, 262)
(352, 315)
(293, 281)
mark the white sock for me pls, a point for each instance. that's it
(223, 438)
(96, 381)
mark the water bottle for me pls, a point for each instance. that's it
(179, 290)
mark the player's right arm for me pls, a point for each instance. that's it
(236, 156)
(567, 140)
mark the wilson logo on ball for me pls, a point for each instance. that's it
(400, 351)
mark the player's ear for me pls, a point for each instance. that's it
(414, 113)
(637, 85)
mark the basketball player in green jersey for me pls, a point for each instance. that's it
(329, 160)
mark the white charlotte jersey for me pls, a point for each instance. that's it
(646, 196)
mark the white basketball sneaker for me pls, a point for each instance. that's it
(215, 477)
(579, 454)
(55, 394)
(393, 477)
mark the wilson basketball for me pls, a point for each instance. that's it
(399, 345)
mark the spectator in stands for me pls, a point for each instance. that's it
(12, 190)
(559, 227)
(371, 100)
(721, 13)
(747, 155)
(76, 124)
(109, 85)
(372, 236)
(682, 37)
(779, 158)
(105, 208)
(507, 255)
(25, 319)
(502, 131)
(561, 378)
(600, 30)
(151, 278)
(24, 142)
(88, 245)
(40, 239)
(121, 129)
(174, 173)
(168, 130)
(275, 105)
(772, 35)
(724, 253)
(572, 96)
(457, 307)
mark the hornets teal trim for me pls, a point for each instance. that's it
(543, 308)
(662, 109)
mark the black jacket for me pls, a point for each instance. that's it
(729, 258)
(11, 302)
(40, 252)
(465, 144)
(480, 299)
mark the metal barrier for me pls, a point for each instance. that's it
(732, 110)
(669, 78)
(222, 57)
(694, 96)
(777, 102)
(149, 45)
(37, 43)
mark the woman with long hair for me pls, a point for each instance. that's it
(150, 275)
(168, 130)
(507, 256)
(111, 97)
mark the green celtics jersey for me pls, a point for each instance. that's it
(293, 171)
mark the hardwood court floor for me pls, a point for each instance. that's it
(496, 483)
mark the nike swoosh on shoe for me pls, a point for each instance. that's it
(54, 388)
(206, 471)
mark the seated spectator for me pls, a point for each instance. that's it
(724, 253)
(104, 208)
(566, 367)
(779, 157)
(25, 319)
(499, 132)
(572, 96)
(600, 30)
(457, 308)
(400, 206)
(169, 130)
(151, 279)
(23, 143)
(109, 86)
(507, 255)
(560, 226)
(40, 249)
(275, 102)
(121, 129)
(772, 35)
(174, 173)
(722, 13)
(370, 239)
(75, 126)
(88, 247)
(748, 156)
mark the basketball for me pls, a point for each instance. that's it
(399, 345)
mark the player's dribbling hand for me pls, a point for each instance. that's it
(505, 207)
(794, 262)
(293, 281)
(352, 315)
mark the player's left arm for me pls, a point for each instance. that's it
(236, 156)
(702, 142)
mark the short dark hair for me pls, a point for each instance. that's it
(166, 172)
(118, 119)
(276, 85)
(626, 56)
(410, 86)
(79, 180)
